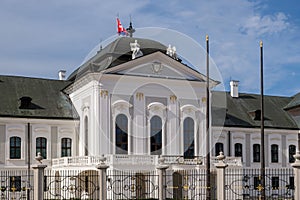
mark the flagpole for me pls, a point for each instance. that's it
(207, 123)
(262, 135)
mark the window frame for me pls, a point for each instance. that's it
(219, 146)
(121, 130)
(256, 152)
(292, 152)
(274, 153)
(156, 147)
(238, 146)
(66, 147)
(42, 149)
(189, 134)
(16, 147)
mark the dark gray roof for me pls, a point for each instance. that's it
(34, 98)
(294, 103)
(240, 112)
(116, 53)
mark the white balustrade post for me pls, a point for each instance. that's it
(161, 167)
(221, 176)
(38, 179)
(102, 167)
(296, 166)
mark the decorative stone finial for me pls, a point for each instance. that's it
(198, 161)
(39, 157)
(161, 160)
(102, 159)
(297, 157)
(221, 157)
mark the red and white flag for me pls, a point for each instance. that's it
(121, 29)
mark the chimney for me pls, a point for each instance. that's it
(234, 89)
(62, 75)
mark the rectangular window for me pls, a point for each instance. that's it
(256, 182)
(292, 152)
(256, 153)
(274, 153)
(66, 147)
(238, 150)
(41, 146)
(219, 148)
(275, 183)
(291, 185)
(45, 184)
(15, 183)
(15, 148)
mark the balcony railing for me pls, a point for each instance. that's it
(138, 160)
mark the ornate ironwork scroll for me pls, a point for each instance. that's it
(187, 184)
(72, 185)
(246, 183)
(15, 185)
(132, 185)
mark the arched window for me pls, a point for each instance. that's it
(292, 152)
(86, 136)
(41, 146)
(66, 147)
(218, 148)
(121, 134)
(238, 150)
(15, 148)
(155, 135)
(188, 134)
(274, 153)
(256, 153)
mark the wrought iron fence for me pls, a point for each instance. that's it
(71, 184)
(16, 184)
(188, 184)
(246, 183)
(132, 184)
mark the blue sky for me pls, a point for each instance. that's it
(38, 38)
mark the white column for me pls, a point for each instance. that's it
(296, 167)
(221, 166)
(106, 146)
(173, 141)
(102, 167)
(38, 181)
(95, 121)
(139, 139)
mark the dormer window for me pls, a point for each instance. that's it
(25, 102)
(255, 115)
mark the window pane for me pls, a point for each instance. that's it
(86, 136)
(256, 153)
(274, 153)
(121, 134)
(238, 150)
(66, 147)
(156, 135)
(15, 183)
(218, 148)
(292, 152)
(188, 134)
(41, 146)
(15, 148)
(275, 183)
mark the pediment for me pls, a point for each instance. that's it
(157, 65)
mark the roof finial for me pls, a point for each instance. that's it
(130, 29)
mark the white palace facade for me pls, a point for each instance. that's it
(132, 102)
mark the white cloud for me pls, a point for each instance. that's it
(265, 24)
